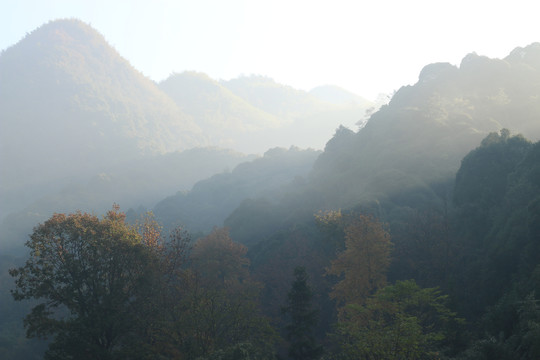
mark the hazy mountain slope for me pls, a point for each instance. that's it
(81, 128)
(69, 104)
(407, 155)
(423, 133)
(275, 98)
(252, 114)
(309, 120)
(226, 119)
(213, 199)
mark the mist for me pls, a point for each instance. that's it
(249, 189)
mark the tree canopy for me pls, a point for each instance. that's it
(92, 279)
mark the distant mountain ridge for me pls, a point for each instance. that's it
(72, 109)
(225, 118)
(255, 113)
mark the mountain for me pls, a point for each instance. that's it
(226, 119)
(408, 153)
(301, 112)
(255, 113)
(275, 98)
(421, 136)
(70, 104)
(211, 200)
(462, 223)
(81, 128)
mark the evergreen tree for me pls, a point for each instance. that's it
(303, 319)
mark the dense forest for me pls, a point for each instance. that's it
(415, 235)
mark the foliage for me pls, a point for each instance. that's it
(219, 305)
(494, 195)
(273, 263)
(483, 175)
(519, 336)
(401, 321)
(241, 351)
(91, 276)
(220, 261)
(364, 261)
(423, 247)
(303, 319)
(97, 282)
(13, 343)
(212, 200)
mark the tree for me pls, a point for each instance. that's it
(401, 321)
(364, 261)
(219, 260)
(220, 305)
(93, 279)
(302, 319)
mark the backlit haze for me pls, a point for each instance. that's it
(366, 47)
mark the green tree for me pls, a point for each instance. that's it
(303, 319)
(401, 321)
(92, 279)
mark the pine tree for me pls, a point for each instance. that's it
(303, 319)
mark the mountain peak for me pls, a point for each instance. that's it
(63, 84)
(68, 30)
(529, 55)
(65, 35)
(436, 71)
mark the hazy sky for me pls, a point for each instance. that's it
(368, 47)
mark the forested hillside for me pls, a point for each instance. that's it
(412, 236)
(210, 201)
(409, 151)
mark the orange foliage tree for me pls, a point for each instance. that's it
(362, 265)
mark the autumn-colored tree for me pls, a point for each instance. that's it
(150, 230)
(362, 265)
(221, 307)
(91, 278)
(219, 260)
(164, 307)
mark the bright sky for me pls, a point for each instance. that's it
(368, 47)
